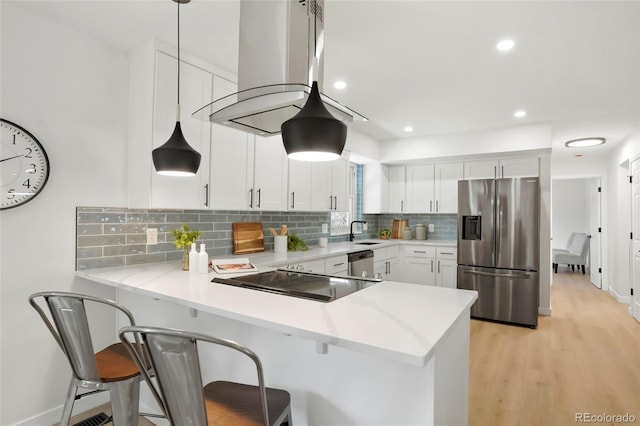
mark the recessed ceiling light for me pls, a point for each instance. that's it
(505, 45)
(584, 142)
(519, 114)
(340, 84)
(408, 129)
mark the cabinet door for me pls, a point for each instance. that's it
(270, 174)
(419, 189)
(481, 169)
(231, 160)
(376, 188)
(340, 183)
(395, 269)
(447, 273)
(396, 189)
(419, 270)
(299, 194)
(195, 91)
(446, 187)
(321, 196)
(519, 167)
(336, 265)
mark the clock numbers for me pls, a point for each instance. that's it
(24, 166)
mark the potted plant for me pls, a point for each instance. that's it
(384, 234)
(184, 237)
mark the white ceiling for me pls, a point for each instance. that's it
(429, 64)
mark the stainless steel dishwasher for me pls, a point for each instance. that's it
(361, 263)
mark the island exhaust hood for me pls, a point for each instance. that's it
(275, 67)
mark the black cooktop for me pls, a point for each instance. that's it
(324, 288)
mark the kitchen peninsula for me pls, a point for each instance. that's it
(392, 353)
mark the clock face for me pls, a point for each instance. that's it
(24, 165)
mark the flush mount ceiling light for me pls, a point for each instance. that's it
(584, 142)
(519, 114)
(505, 45)
(408, 129)
(313, 134)
(176, 157)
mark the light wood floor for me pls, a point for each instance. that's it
(583, 359)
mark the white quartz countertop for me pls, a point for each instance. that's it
(394, 320)
(335, 249)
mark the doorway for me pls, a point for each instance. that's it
(577, 208)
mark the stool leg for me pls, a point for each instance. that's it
(582, 266)
(68, 404)
(555, 268)
(125, 401)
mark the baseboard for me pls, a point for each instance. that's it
(52, 416)
(544, 311)
(618, 297)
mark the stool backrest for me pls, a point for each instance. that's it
(173, 356)
(68, 323)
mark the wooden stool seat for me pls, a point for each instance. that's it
(114, 364)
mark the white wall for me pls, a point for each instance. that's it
(505, 140)
(71, 93)
(618, 221)
(570, 210)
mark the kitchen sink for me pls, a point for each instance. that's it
(368, 243)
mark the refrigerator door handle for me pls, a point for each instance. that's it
(489, 274)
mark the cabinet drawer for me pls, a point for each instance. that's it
(335, 265)
(419, 251)
(447, 253)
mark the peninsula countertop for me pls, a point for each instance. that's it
(393, 320)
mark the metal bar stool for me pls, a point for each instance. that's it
(111, 369)
(173, 355)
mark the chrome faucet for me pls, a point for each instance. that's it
(351, 236)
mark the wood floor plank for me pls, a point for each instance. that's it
(583, 359)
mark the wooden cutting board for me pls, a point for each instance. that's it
(247, 237)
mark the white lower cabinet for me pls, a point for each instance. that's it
(430, 265)
(316, 266)
(336, 265)
(386, 263)
(447, 267)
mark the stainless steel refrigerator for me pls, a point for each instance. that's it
(498, 247)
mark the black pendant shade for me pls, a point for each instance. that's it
(176, 157)
(313, 134)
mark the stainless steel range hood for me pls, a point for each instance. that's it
(276, 55)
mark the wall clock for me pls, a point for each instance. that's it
(24, 166)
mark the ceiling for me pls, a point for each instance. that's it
(432, 65)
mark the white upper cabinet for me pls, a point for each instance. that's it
(299, 193)
(247, 172)
(419, 188)
(501, 168)
(152, 104)
(329, 184)
(396, 186)
(433, 188)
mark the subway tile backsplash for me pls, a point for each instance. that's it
(113, 236)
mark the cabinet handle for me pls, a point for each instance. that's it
(437, 206)
(419, 251)
(438, 266)
(259, 190)
(432, 265)
(401, 205)
(293, 200)
(251, 198)
(330, 202)
(338, 264)
(495, 171)
(430, 205)
(444, 252)
(206, 195)
(388, 267)
(502, 171)
(335, 207)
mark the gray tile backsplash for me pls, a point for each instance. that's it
(112, 236)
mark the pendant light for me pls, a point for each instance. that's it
(313, 134)
(176, 157)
